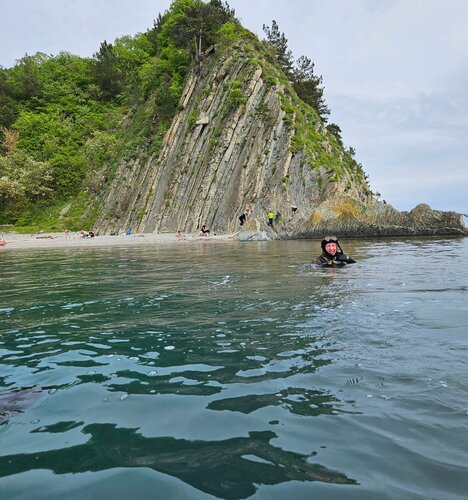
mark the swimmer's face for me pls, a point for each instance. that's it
(330, 248)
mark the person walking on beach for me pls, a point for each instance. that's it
(332, 254)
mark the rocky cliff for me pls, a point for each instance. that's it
(243, 142)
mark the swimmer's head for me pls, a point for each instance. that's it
(331, 246)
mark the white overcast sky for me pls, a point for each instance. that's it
(395, 74)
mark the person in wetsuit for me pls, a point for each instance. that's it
(332, 254)
(204, 230)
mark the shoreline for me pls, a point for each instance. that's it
(12, 241)
(38, 241)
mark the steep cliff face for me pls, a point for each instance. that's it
(241, 142)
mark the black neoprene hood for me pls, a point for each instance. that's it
(331, 239)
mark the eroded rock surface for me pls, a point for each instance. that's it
(225, 156)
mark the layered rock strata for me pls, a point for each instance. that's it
(231, 149)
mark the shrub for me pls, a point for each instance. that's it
(236, 95)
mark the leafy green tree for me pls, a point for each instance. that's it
(24, 78)
(23, 182)
(191, 19)
(236, 95)
(9, 139)
(131, 53)
(65, 79)
(8, 106)
(100, 148)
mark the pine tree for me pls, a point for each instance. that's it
(309, 87)
(335, 130)
(279, 45)
(106, 72)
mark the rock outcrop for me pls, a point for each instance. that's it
(380, 219)
(243, 142)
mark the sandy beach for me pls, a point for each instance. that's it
(16, 241)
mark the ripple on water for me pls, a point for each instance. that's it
(242, 361)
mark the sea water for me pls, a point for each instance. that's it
(235, 370)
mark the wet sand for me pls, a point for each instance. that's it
(73, 240)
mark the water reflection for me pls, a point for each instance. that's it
(229, 468)
(14, 401)
(158, 324)
(294, 399)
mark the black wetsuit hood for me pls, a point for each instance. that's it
(331, 239)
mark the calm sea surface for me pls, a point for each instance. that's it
(228, 370)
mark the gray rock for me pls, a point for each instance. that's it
(248, 154)
(253, 236)
(203, 120)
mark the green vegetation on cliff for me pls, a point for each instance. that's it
(67, 123)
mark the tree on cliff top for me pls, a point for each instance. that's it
(279, 45)
(186, 20)
(307, 85)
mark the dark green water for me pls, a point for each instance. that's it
(234, 371)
